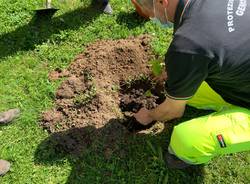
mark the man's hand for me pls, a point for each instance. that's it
(167, 110)
(143, 116)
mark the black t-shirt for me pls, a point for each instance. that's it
(211, 43)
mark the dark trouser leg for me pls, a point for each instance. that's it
(107, 7)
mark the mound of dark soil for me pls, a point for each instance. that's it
(109, 81)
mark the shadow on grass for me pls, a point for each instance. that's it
(131, 19)
(111, 154)
(41, 28)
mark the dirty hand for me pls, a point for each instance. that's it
(143, 116)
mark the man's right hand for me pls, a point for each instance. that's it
(168, 110)
(143, 116)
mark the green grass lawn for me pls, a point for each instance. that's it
(30, 49)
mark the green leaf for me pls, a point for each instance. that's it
(148, 93)
(156, 67)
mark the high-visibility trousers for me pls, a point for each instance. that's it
(225, 131)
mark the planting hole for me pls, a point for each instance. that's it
(135, 94)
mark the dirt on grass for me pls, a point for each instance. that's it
(107, 83)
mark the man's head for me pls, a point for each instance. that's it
(163, 10)
(160, 10)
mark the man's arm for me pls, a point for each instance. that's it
(185, 73)
(169, 109)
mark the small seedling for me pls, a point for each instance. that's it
(85, 98)
(148, 93)
(58, 125)
(128, 83)
(143, 77)
(157, 67)
(87, 75)
(115, 88)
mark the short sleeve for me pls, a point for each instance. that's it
(185, 73)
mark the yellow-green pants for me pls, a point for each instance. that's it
(226, 131)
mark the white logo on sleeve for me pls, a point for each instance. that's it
(230, 13)
(230, 16)
(241, 8)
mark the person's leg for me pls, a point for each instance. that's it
(107, 7)
(183, 150)
(7, 116)
(174, 162)
(197, 141)
(206, 98)
(4, 167)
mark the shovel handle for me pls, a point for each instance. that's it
(48, 3)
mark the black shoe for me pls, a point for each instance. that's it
(107, 8)
(175, 163)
